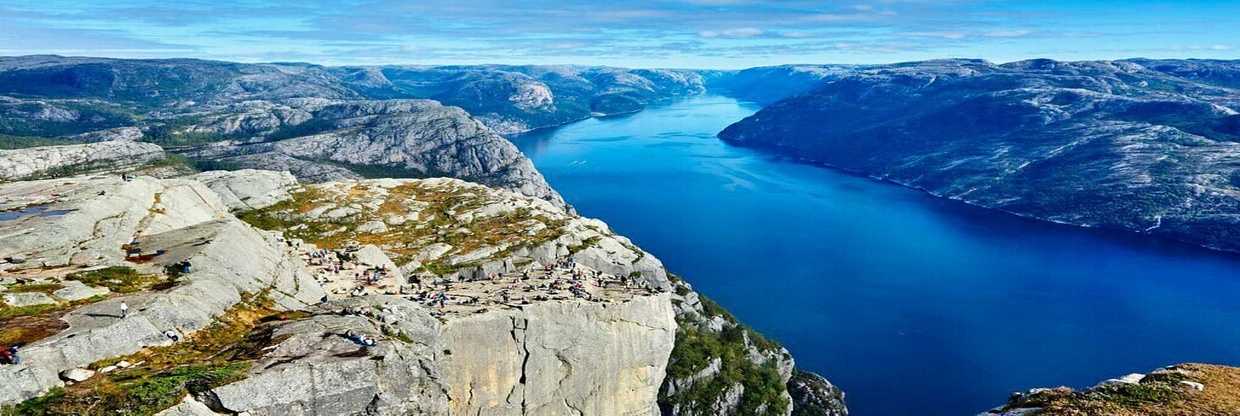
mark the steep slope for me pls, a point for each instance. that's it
(323, 140)
(1100, 144)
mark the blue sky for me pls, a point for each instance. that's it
(633, 33)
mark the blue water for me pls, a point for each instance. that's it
(912, 304)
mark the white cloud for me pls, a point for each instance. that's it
(943, 34)
(742, 32)
(1006, 33)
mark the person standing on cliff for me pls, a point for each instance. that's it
(124, 310)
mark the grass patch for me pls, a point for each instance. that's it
(587, 243)
(119, 279)
(8, 142)
(47, 288)
(437, 208)
(219, 354)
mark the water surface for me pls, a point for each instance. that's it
(912, 304)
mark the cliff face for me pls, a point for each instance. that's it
(560, 358)
(546, 359)
(1144, 146)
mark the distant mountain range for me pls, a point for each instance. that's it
(1149, 146)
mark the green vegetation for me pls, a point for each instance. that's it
(694, 351)
(172, 133)
(118, 279)
(47, 288)
(7, 311)
(696, 348)
(21, 142)
(91, 116)
(217, 355)
(70, 170)
(587, 243)
(173, 161)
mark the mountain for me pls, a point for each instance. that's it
(768, 84)
(322, 123)
(517, 99)
(1146, 146)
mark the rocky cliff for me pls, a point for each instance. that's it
(66, 160)
(323, 140)
(1144, 146)
(383, 296)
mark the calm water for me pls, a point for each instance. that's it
(913, 305)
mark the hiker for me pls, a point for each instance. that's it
(8, 355)
(124, 310)
(172, 335)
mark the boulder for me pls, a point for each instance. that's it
(76, 375)
(28, 299)
(75, 290)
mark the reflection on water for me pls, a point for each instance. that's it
(32, 211)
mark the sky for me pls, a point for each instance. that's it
(628, 33)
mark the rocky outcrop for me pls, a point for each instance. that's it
(540, 357)
(390, 138)
(546, 359)
(248, 188)
(721, 367)
(1111, 144)
(66, 225)
(54, 161)
(813, 395)
(1182, 389)
(421, 223)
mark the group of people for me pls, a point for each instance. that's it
(9, 356)
(333, 263)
